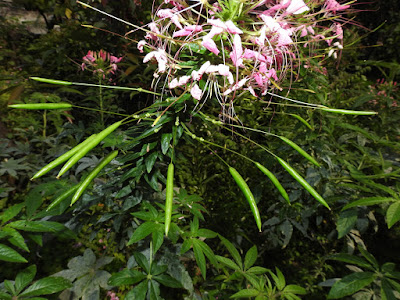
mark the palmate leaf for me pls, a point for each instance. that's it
(350, 284)
(251, 257)
(142, 231)
(200, 258)
(24, 278)
(138, 292)
(245, 293)
(228, 262)
(126, 277)
(232, 250)
(393, 214)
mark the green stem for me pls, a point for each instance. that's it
(44, 123)
(101, 103)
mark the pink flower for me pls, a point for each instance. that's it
(196, 92)
(236, 86)
(161, 58)
(170, 14)
(296, 6)
(210, 45)
(333, 5)
(115, 60)
(140, 45)
(196, 75)
(187, 30)
(237, 51)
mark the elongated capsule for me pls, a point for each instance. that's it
(348, 112)
(274, 180)
(301, 151)
(169, 193)
(41, 106)
(59, 160)
(82, 187)
(248, 194)
(62, 197)
(303, 182)
(89, 146)
(52, 81)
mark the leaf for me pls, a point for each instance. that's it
(154, 290)
(150, 160)
(387, 291)
(16, 238)
(168, 281)
(300, 150)
(11, 212)
(369, 257)
(393, 214)
(350, 284)
(142, 261)
(139, 292)
(158, 238)
(251, 257)
(228, 262)
(295, 289)
(24, 278)
(199, 256)
(42, 226)
(346, 221)
(351, 259)
(257, 270)
(142, 231)
(281, 279)
(5, 296)
(245, 293)
(165, 142)
(46, 286)
(10, 255)
(209, 234)
(232, 250)
(207, 251)
(126, 277)
(368, 201)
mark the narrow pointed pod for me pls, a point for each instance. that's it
(41, 106)
(62, 197)
(348, 112)
(62, 158)
(303, 182)
(89, 146)
(301, 151)
(169, 196)
(248, 194)
(274, 180)
(82, 187)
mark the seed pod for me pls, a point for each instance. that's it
(41, 106)
(92, 175)
(62, 158)
(62, 197)
(303, 182)
(301, 151)
(274, 180)
(169, 193)
(248, 194)
(348, 112)
(89, 146)
(52, 81)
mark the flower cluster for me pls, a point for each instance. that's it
(112, 295)
(384, 92)
(236, 46)
(100, 63)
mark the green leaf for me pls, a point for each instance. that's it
(154, 290)
(232, 250)
(369, 257)
(350, 284)
(209, 234)
(257, 270)
(10, 255)
(393, 214)
(150, 161)
(158, 238)
(11, 212)
(346, 221)
(24, 278)
(295, 289)
(165, 141)
(142, 261)
(394, 284)
(41, 226)
(16, 238)
(281, 279)
(186, 245)
(368, 201)
(387, 291)
(251, 257)
(139, 292)
(9, 286)
(227, 262)
(5, 296)
(126, 277)
(142, 231)
(46, 286)
(207, 251)
(245, 294)
(199, 256)
(168, 281)
(351, 259)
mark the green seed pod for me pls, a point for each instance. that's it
(51, 81)
(303, 182)
(62, 158)
(275, 181)
(92, 175)
(89, 146)
(169, 197)
(301, 151)
(62, 197)
(42, 106)
(248, 194)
